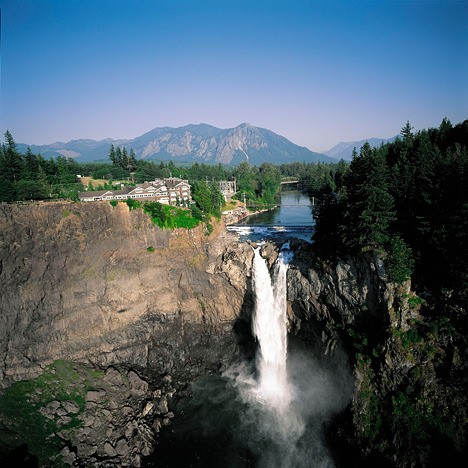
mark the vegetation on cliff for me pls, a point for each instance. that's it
(413, 188)
(32, 177)
(27, 409)
(407, 202)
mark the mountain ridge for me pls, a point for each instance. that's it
(344, 149)
(192, 143)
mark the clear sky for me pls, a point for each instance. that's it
(316, 72)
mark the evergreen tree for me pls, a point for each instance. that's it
(118, 156)
(11, 167)
(124, 163)
(407, 134)
(369, 206)
(43, 186)
(208, 197)
(33, 189)
(328, 215)
(112, 154)
(31, 165)
(132, 162)
(13, 158)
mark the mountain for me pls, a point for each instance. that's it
(81, 150)
(344, 150)
(192, 143)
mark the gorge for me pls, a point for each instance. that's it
(109, 349)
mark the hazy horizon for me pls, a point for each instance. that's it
(314, 72)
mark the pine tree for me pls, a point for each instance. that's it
(124, 163)
(132, 162)
(31, 165)
(369, 206)
(112, 154)
(11, 168)
(407, 133)
(14, 159)
(118, 156)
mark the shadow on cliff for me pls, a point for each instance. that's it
(243, 327)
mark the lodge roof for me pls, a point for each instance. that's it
(153, 186)
(99, 193)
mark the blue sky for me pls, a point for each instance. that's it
(317, 72)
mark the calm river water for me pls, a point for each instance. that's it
(293, 218)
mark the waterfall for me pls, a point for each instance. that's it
(270, 414)
(270, 329)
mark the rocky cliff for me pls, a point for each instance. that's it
(409, 402)
(106, 320)
(103, 288)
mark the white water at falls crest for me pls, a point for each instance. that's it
(270, 329)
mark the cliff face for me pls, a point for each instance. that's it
(350, 293)
(108, 318)
(111, 318)
(409, 401)
(82, 282)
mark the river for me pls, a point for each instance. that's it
(292, 218)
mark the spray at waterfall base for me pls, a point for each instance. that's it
(270, 411)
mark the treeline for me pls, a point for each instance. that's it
(257, 185)
(32, 177)
(409, 199)
(316, 178)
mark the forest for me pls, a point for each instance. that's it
(28, 177)
(407, 202)
(407, 198)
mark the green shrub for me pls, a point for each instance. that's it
(369, 415)
(157, 213)
(400, 262)
(197, 213)
(406, 415)
(114, 203)
(170, 217)
(415, 301)
(209, 229)
(132, 203)
(150, 248)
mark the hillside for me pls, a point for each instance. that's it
(192, 143)
(344, 149)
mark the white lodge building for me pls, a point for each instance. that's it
(166, 191)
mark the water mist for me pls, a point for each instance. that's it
(295, 392)
(268, 413)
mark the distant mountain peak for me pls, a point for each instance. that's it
(344, 149)
(195, 142)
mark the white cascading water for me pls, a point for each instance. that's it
(270, 329)
(283, 409)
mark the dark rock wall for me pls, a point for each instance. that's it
(409, 401)
(350, 292)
